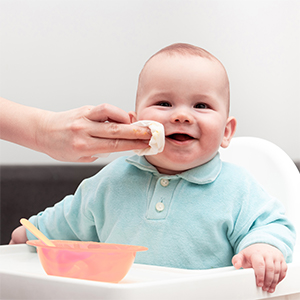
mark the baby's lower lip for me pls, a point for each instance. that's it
(180, 139)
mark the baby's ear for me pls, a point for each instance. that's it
(132, 116)
(229, 132)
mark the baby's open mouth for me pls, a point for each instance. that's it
(180, 137)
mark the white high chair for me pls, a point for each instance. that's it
(22, 277)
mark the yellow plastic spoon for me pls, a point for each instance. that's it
(36, 232)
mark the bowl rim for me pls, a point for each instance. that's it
(122, 247)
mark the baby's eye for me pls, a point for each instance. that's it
(163, 103)
(201, 106)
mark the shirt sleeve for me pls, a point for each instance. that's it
(71, 218)
(262, 219)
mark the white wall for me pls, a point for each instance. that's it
(58, 55)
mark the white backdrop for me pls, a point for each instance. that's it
(59, 55)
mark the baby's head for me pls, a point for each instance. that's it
(187, 50)
(187, 90)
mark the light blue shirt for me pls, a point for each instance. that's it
(197, 219)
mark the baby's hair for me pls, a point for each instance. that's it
(185, 49)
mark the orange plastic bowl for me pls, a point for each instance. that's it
(87, 260)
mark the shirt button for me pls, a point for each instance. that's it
(159, 206)
(164, 182)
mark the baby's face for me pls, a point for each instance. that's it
(189, 96)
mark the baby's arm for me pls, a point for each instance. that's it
(267, 261)
(18, 236)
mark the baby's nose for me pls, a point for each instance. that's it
(182, 116)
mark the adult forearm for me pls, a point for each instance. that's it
(20, 124)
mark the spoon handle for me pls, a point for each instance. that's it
(36, 232)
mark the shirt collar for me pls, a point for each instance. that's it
(203, 174)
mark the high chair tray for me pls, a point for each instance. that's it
(22, 277)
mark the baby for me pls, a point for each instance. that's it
(188, 207)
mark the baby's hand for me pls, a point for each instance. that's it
(267, 261)
(18, 236)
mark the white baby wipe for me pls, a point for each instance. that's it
(157, 141)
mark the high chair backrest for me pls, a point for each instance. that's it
(273, 169)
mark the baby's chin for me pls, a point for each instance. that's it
(175, 163)
(168, 167)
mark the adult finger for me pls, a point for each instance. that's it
(106, 112)
(86, 159)
(112, 130)
(117, 145)
(111, 145)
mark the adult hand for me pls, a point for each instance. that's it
(79, 134)
(75, 135)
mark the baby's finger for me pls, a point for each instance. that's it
(237, 261)
(277, 271)
(270, 272)
(283, 272)
(258, 265)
